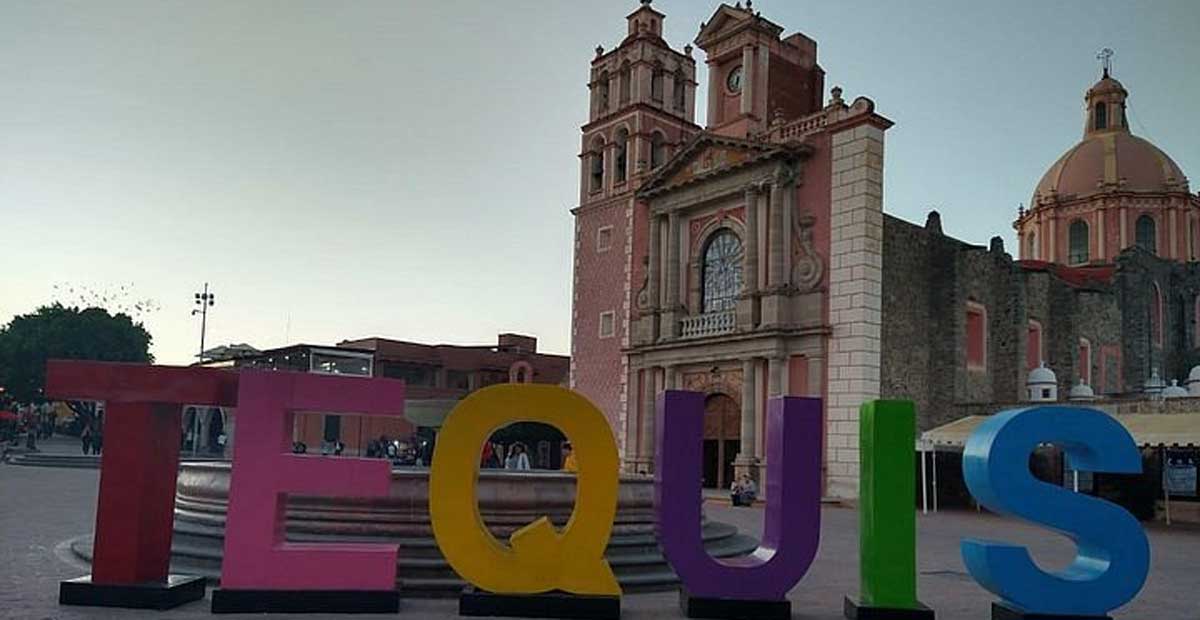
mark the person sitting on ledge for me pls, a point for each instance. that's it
(743, 492)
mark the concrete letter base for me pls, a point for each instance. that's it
(732, 609)
(854, 610)
(177, 590)
(549, 605)
(1000, 611)
(227, 601)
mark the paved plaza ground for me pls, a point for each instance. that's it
(41, 508)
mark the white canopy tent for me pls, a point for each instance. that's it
(1148, 430)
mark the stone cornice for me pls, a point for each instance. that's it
(1102, 201)
(613, 117)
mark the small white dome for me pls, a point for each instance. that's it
(1175, 391)
(1194, 376)
(1082, 391)
(1041, 375)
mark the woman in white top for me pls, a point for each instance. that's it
(517, 459)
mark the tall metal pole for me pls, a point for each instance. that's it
(203, 321)
(203, 300)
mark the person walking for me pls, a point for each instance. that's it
(85, 438)
(517, 459)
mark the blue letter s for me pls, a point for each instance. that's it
(1113, 556)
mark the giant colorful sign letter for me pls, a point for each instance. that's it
(538, 558)
(793, 514)
(135, 509)
(887, 524)
(1113, 556)
(257, 558)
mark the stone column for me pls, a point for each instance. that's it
(1124, 229)
(775, 237)
(775, 368)
(671, 377)
(614, 92)
(649, 394)
(855, 298)
(745, 463)
(747, 100)
(689, 99)
(653, 263)
(746, 306)
(629, 424)
(671, 308)
(714, 94)
(773, 306)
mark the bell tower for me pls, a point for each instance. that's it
(642, 102)
(754, 77)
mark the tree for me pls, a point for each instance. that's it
(58, 332)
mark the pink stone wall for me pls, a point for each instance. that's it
(599, 286)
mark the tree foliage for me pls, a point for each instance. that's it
(59, 332)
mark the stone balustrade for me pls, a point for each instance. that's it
(708, 324)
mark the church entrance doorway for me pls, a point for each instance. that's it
(722, 430)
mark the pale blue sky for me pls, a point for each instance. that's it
(405, 169)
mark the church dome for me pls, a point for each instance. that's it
(1109, 157)
(1117, 159)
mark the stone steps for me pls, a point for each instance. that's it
(74, 461)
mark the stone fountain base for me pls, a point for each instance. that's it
(507, 501)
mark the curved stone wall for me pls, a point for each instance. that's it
(507, 500)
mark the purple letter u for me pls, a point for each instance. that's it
(793, 520)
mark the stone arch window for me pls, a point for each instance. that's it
(602, 93)
(1101, 115)
(626, 82)
(520, 372)
(597, 164)
(721, 272)
(621, 161)
(1078, 240)
(1085, 361)
(678, 97)
(1156, 314)
(658, 150)
(1031, 252)
(977, 335)
(1146, 234)
(1034, 345)
(656, 83)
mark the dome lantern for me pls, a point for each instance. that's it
(1042, 385)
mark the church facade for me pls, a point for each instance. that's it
(751, 257)
(741, 259)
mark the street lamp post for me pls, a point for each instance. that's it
(203, 302)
